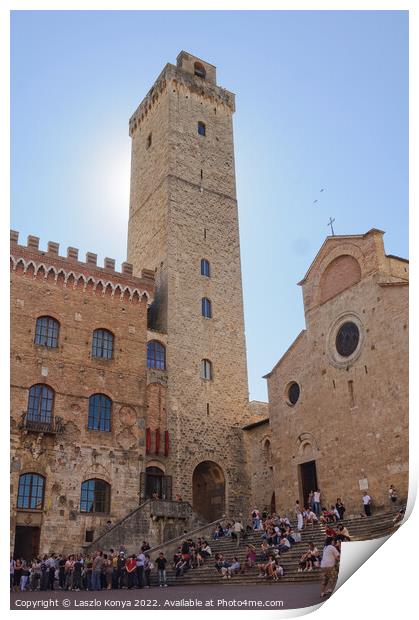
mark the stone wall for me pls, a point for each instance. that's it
(82, 297)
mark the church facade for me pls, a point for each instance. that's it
(132, 385)
(338, 398)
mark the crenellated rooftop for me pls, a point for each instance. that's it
(178, 76)
(70, 265)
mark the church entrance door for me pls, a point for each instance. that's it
(208, 491)
(308, 478)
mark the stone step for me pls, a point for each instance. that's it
(359, 529)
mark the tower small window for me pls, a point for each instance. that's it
(201, 128)
(206, 308)
(149, 139)
(205, 268)
(199, 70)
(206, 370)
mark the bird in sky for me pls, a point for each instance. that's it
(315, 201)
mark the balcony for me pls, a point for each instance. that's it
(54, 426)
(170, 509)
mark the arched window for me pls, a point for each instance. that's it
(40, 403)
(99, 413)
(95, 496)
(205, 267)
(201, 128)
(102, 344)
(46, 332)
(206, 308)
(206, 370)
(30, 494)
(156, 355)
(199, 70)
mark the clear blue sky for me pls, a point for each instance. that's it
(322, 102)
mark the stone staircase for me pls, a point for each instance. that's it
(359, 529)
(153, 520)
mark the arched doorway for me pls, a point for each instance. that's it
(155, 485)
(208, 490)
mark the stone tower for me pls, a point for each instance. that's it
(183, 223)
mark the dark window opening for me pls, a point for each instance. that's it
(206, 370)
(95, 496)
(293, 393)
(199, 70)
(347, 339)
(206, 308)
(201, 128)
(205, 268)
(89, 535)
(149, 140)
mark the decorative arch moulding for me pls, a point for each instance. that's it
(75, 279)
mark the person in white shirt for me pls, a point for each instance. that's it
(316, 501)
(238, 529)
(329, 565)
(366, 500)
(311, 518)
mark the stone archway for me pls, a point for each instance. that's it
(208, 490)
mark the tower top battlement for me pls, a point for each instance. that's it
(190, 72)
(196, 66)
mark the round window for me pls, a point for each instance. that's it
(347, 339)
(293, 393)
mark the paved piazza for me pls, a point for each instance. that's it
(223, 596)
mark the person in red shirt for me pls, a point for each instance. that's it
(130, 567)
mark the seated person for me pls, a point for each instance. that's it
(206, 550)
(311, 518)
(284, 545)
(330, 532)
(399, 517)
(342, 534)
(235, 566)
(180, 567)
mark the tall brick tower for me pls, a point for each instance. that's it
(183, 223)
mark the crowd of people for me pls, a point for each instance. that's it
(119, 570)
(101, 570)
